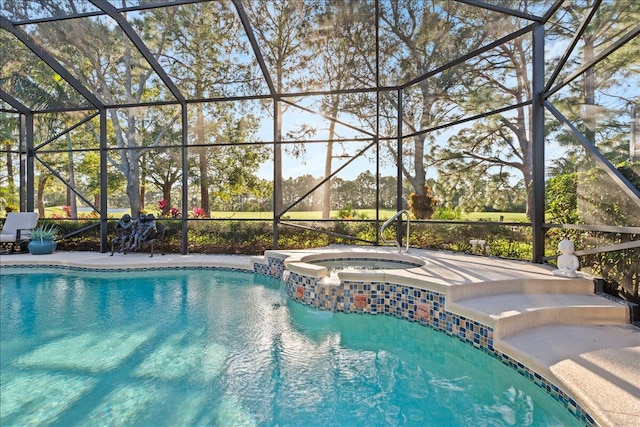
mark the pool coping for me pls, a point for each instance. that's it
(607, 396)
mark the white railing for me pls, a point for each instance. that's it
(389, 221)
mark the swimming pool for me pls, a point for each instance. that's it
(215, 347)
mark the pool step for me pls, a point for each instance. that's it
(595, 363)
(552, 285)
(509, 314)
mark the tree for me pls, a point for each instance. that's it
(295, 188)
(8, 194)
(611, 21)
(562, 200)
(415, 38)
(599, 101)
(341, 27)
(502, 141)
(479, 159)
(9, 128)
(281, 28)
(163, 169)
(234, 165)
(388, 190)
(42, 90)
(364, 196)
(112, 64)
(204, 42)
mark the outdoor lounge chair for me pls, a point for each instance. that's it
(16, 230)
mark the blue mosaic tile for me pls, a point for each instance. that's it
(123, 269)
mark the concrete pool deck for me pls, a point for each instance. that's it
(580, 341)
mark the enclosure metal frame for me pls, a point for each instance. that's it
(540, 103)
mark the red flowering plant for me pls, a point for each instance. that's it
(199, 213)
(164, 207)
(67, 210)
(175, 212)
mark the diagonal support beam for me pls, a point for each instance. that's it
(254, 45)
(132, 34)
(67, 130)
(326, 117)
(66, 183)
(467, 56)
(572, 45)
(50, 61)
(635, 32)
(23, 109)
(617, 177)
(552, 10)
(322, 182)
(503, 10)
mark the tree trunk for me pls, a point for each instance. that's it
(166, 195)
(133, 190)
(590, 110)
(11, 185)
(326, 188)
(203, 163)
(277, 159)
(143, 186)
(42, 182)
(419, 179)
(71, 196)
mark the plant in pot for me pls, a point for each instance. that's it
(43, 240)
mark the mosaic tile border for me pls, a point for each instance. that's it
(418, 305)
(262, 269)
(120, 269)
(274, 267)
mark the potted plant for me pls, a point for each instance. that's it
(43, 239)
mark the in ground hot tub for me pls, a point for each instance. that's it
(344, 280)
(337, 280)
(340, 264)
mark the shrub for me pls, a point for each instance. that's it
(562, 199)
(447, 214)
(422, 206)
(347, 213)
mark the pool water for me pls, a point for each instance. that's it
(357, 265)
(214, 347)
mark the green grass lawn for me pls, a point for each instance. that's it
(388, 213)
(495, 216)
(313, 215)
